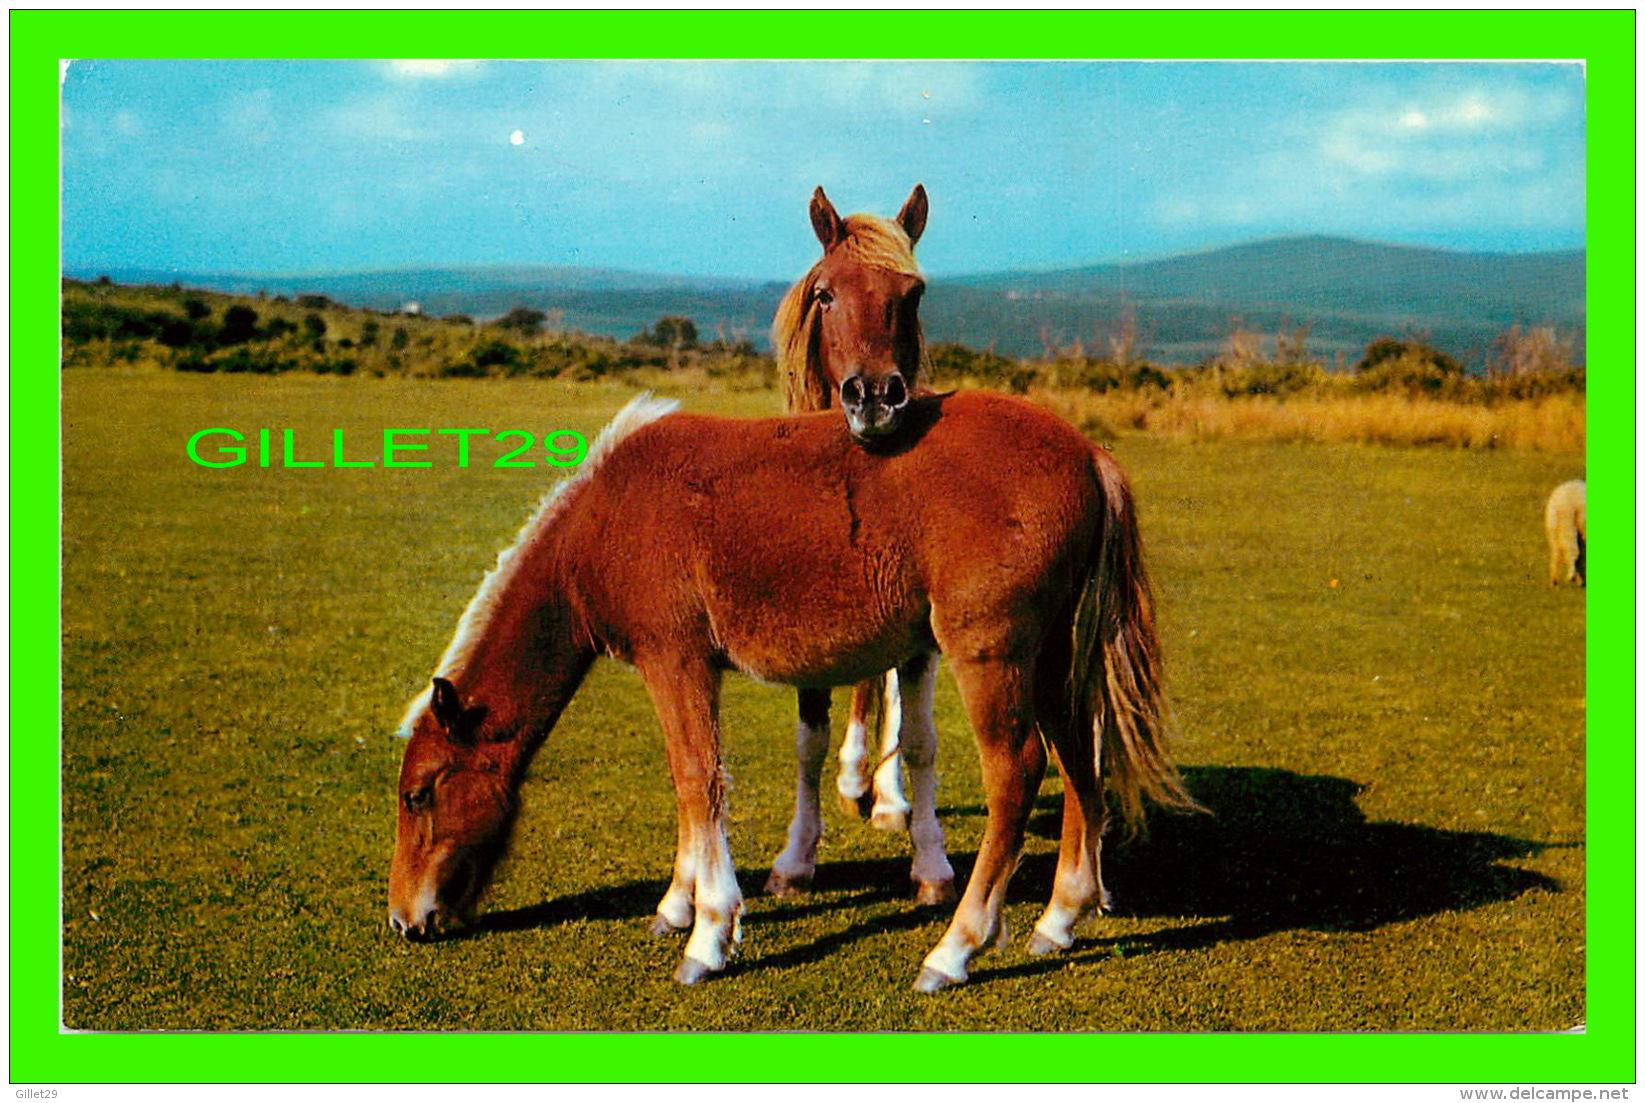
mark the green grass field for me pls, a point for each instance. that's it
(1380, 697)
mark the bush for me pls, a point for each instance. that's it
(960, 362)
(523, 319)
(670, 333)
(239, 325)
(1406, 351)
(176, 333)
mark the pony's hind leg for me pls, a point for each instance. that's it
(931, 873)
(999, 701)
(1078, 887)
(856, 779)
(891, 808)
(793, 869)
(685, 694)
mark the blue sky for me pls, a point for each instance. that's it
(706, 169)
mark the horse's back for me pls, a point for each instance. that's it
(794, 547)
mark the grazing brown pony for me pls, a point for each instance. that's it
(688, 545)
(848, 335)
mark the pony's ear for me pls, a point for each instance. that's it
(447, 706)
(912, 216)
(825, 220)
(461, 725)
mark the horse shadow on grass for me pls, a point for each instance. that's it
(1280, 851)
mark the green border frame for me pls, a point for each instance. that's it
(41, 1054)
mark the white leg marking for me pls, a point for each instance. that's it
(677, 906)
(919, 749)
(719, 903)
(853, 780)
(1057, 924)
(951, 958)
(890, 808)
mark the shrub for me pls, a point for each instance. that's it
(670, 333)
(239, 325)
(1407, 351)
(523, 319)
(176, 333)
(957, 361)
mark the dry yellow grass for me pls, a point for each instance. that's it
(1553, 424)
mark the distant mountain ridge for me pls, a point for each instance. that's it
(1344, 291)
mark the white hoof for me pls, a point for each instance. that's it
(930, 980)
(661, 927)
(692, 971)
(1041, 945)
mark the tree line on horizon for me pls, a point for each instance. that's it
(109, 324)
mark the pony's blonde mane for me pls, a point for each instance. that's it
(641, 411)
(873, 242)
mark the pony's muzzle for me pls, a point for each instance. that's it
(873, 407)
(413, 931)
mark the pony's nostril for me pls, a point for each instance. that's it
(896, 391)
(852, 391)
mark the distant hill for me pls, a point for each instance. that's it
(1346, 292)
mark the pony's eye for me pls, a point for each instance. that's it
(418, 799)
(825, 297)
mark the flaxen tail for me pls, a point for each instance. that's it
(1115, 677)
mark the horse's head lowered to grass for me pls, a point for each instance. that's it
(457, 806)
(849, 331)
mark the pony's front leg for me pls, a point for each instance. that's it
(685, 693)
(998, 700)
(794, 868)
(931, 872)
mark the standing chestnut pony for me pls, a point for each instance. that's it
(689, 545)
(848, 334)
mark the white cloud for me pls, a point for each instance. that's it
(424, 68)
(1447, 139)
(1397, 162)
